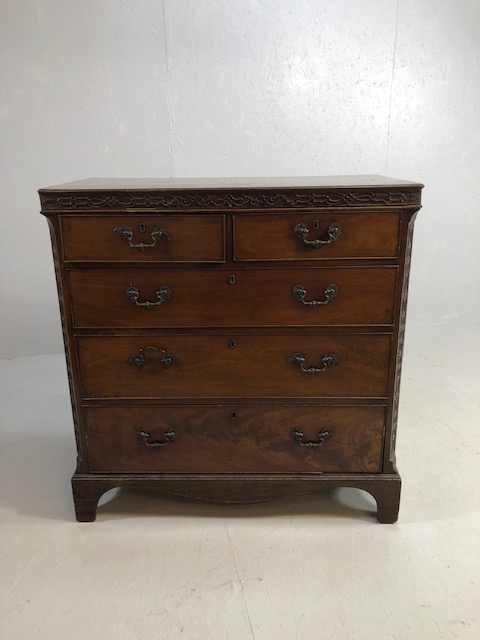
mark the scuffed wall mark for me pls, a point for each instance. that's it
(170, 109)
(394, 56)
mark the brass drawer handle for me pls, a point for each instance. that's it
(158, 233)
(138, 359)
(163, 293)
(297, 436)
(328, 360)
(299, 293)
(168, 436)
(301, 231)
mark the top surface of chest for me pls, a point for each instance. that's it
(225, 193)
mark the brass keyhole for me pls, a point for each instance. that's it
(231, 279)
(316, 224)
(141, 227)
(233, 344)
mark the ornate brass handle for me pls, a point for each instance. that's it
(328, 360)
(138, 359)
(299, 293)
(158, 233)
(163, 293)
(297, 435)
(144, 436)
(301, 231)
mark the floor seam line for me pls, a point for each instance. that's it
(238, 578)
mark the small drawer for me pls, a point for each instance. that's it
(244, 297)
(161, 238)
(316, 236)
(235, 365)
(235, 439)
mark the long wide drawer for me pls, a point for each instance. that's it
(237, 365)
(235, 439)
(160, 238)
(316, 236)
(220, 298)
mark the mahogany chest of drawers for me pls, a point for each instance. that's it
(234, 340)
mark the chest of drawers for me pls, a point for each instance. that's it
(234, 340)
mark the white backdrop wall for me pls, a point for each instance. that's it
(239, 88)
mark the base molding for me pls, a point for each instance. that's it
(237, 489)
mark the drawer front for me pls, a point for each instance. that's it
(330, 235)
(235, 439)
(234, 365)
(162, 238)
(213, 298)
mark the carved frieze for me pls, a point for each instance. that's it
(238, 199)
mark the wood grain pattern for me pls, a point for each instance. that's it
(198, 238)
(235, 439)
(257, 297)
(257, 367)
(271, 237)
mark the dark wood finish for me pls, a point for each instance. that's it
(235, 439)
(237, 298)
(232, 398)
(192, 238)
(238, 488)
(189, 194)
(257, 366)
(272, 237)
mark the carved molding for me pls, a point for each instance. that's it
(401, 333)
(61, 302)
(230, 200)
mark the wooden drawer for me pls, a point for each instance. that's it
(213, 298)
(279, 237)
(235, 439)
(234, 365)
(191, 238)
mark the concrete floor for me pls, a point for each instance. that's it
(316, 567)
